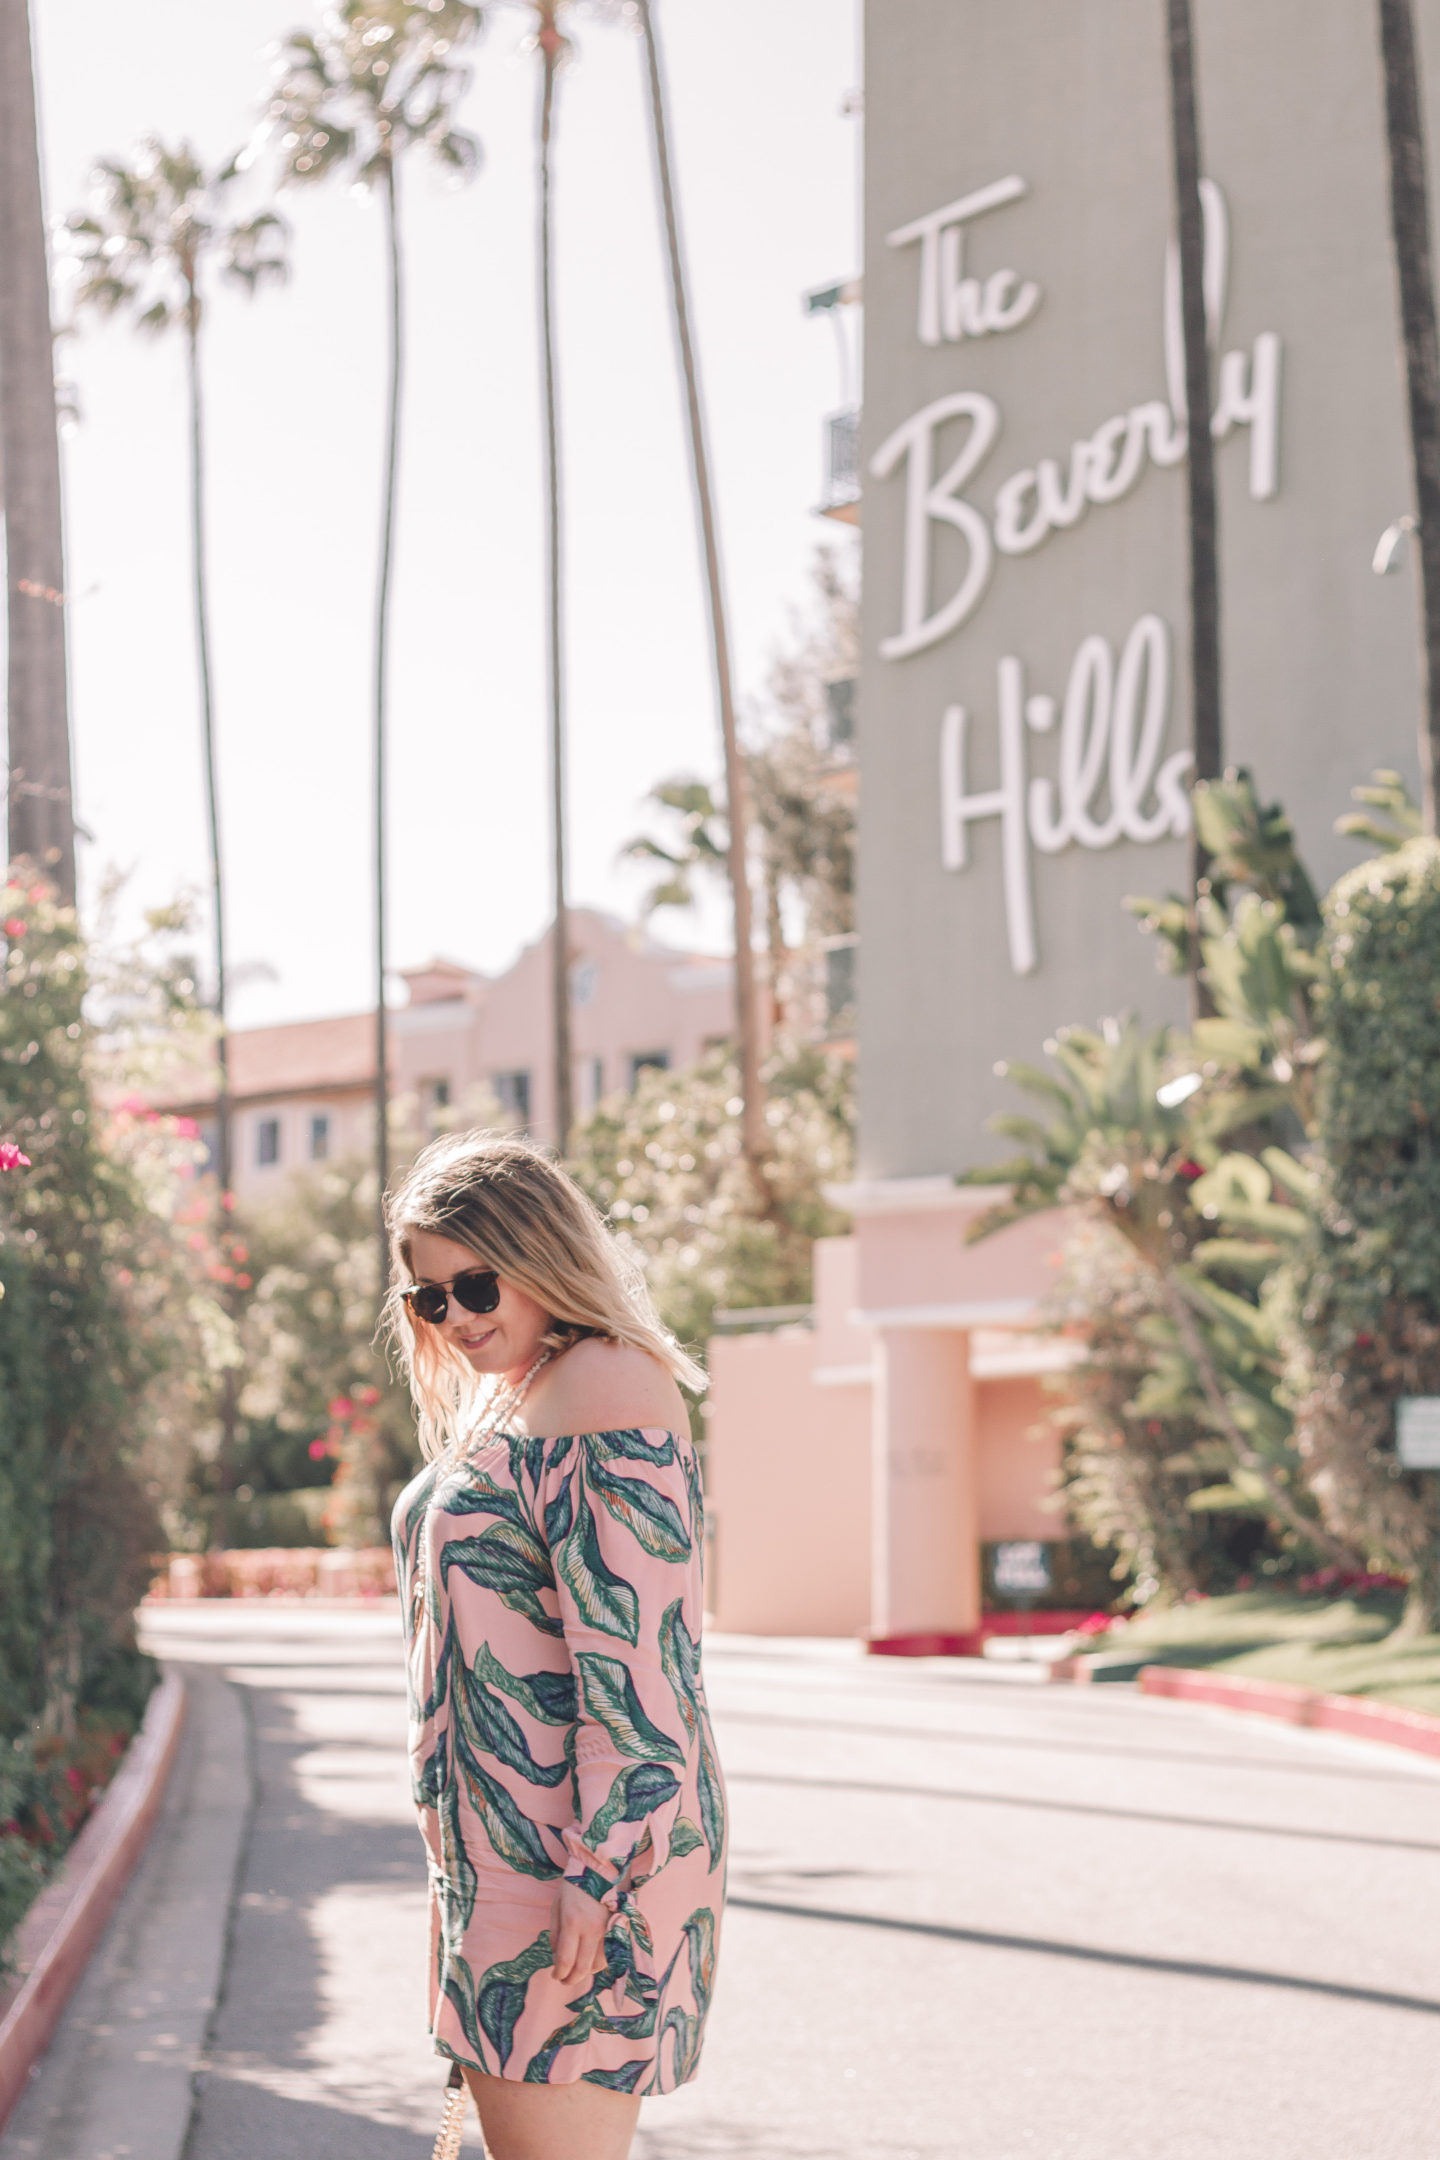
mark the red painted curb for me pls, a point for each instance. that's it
(921, 1644)
(1229, 1691)
(1414, 1730)
(68, 1918)
(970, 1642)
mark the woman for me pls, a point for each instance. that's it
(549, 1565)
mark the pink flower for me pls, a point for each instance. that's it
(14, 927)
(186, 1128)
(11, 1157)
(341, 1407)
(319, 1449)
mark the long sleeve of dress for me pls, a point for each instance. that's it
(623, 1519)
(425, 1605)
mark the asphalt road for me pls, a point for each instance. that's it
(971, 1915)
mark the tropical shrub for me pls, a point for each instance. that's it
(1365, 1306)
(1178, 1155)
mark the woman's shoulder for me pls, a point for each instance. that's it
(602, 1386)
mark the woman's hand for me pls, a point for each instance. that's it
(578, 1933)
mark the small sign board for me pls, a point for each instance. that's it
(1417, 1431)
(1022, 1568)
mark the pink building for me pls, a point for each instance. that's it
(905, 1423)
(303, 1091)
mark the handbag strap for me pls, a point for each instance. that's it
(452, 2122)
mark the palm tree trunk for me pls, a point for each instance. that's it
(220, 1527)
(1410, 227)
(41, 823)
(746, 998)
(390, 201)
(1200, 459)
(550, 50)
(775, 938)
(224, 1150)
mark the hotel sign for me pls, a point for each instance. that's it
(1114, 715)
(1024, 706)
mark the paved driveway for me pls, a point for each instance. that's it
(973, 1918)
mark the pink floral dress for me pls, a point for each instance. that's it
(558, 1727)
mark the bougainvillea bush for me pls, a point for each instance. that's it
(77, 1360)
(319, 1406)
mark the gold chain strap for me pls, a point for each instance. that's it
(452, 2122)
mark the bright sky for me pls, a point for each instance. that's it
(767, 166)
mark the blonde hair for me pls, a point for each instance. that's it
(519, 1213)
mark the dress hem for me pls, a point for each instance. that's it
(507, 2077)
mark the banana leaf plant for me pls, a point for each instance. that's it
(1187, 1147)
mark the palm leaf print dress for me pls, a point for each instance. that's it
(558, 1727)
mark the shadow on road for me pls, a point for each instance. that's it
(1085, 1807)
(1197, 1758)
(1090, 1954)
(245, 2122)
(294, 2067)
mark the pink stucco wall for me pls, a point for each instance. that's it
(853, 1471)
(787, 1476)
(912, 1259)
(1019, 1458)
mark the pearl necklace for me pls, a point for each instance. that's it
(502, 1405)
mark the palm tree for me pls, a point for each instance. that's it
(41, 822)
(1200, 459)
(1410, 227)
(753, 1131)
(144, 247)
(701, 844)
(153, 230)
(553, 45)
(378, 79)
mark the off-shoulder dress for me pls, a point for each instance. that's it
(552, 1597)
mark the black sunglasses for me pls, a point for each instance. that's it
(477, 1290)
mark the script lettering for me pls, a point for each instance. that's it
(1112, 730)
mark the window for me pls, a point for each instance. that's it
(584, 982)
(589, 1083)
(840, 713)
(434, 1098)
(319, 1136)
(648, 1061)
(267, 1141)
(840, 983)
(513, 1089)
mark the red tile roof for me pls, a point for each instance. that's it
(300, 1057)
